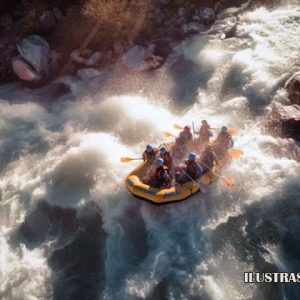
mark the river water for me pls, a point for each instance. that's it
(70, 230)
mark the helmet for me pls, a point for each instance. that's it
(224, 128)
(163, 150)
(187, 128)
(149, 147)
(204, 122)
(160, 162)
(192, 156)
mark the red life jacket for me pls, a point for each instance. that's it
(167, 159)
(186, 135)
(190, 169)
(208, 158)
(205, 133)
(159, 173)
(224, 139)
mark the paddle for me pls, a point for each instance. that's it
(232, 130)
(235, 153)
(128, 159)
(168, 134)
(201, 186)
(228, 181)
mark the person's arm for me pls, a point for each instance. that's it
(216, 158)
(165, 174)
(198, 168)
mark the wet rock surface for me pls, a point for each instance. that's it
(293, 88)
(284, 120)
(173, 20)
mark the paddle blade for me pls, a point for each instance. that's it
(228, 181)
(126, 159)
(235, 153)
(167, 134)
(176, 126)
(234, 130)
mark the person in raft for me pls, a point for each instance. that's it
(161, 177)
(204, 132)
(186, 134)
(192, 171)
(166, 156)
(208, 158)
(150, 154)
(223, 142)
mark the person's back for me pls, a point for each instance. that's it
(193, 169)
(186, 134)
(208, 158)
(166, 156)
(205, 133)
(150, 153)
(224, 138)
(223, 142)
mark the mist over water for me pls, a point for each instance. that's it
(70, 230)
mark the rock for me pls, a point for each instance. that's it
(207, 15)
(140, 58)
(225, 28)
(283, 120)
(58, 14)
(192, 28)
(156, 11)
(164, 2)
(86, 57)
(181, 11)
(293, 88)
(36, 51)
(158, 19)
(162, 48)
(134, 57)
(23, 70)
(196, 18)
(6, 22)
(47, 20)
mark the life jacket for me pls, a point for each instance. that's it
(186, 135)
(167, 159)
(192, 170)
(224, 140)
(205, 133)
(208, 158)
(149, 156)
(159, 173)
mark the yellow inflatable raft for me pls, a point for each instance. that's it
(139, 189)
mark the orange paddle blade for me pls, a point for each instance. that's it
(234, 130)
(176, 126)
(128, 159)
(228, 181)
(235, 153)
(168, 134)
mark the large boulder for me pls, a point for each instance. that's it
(207, 15)
(293, 88)
(35, 51)
(23, 70)
(283, 120)
(47, 20)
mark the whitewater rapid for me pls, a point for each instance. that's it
(66, 153)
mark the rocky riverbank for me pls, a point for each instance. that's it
(40, 41)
